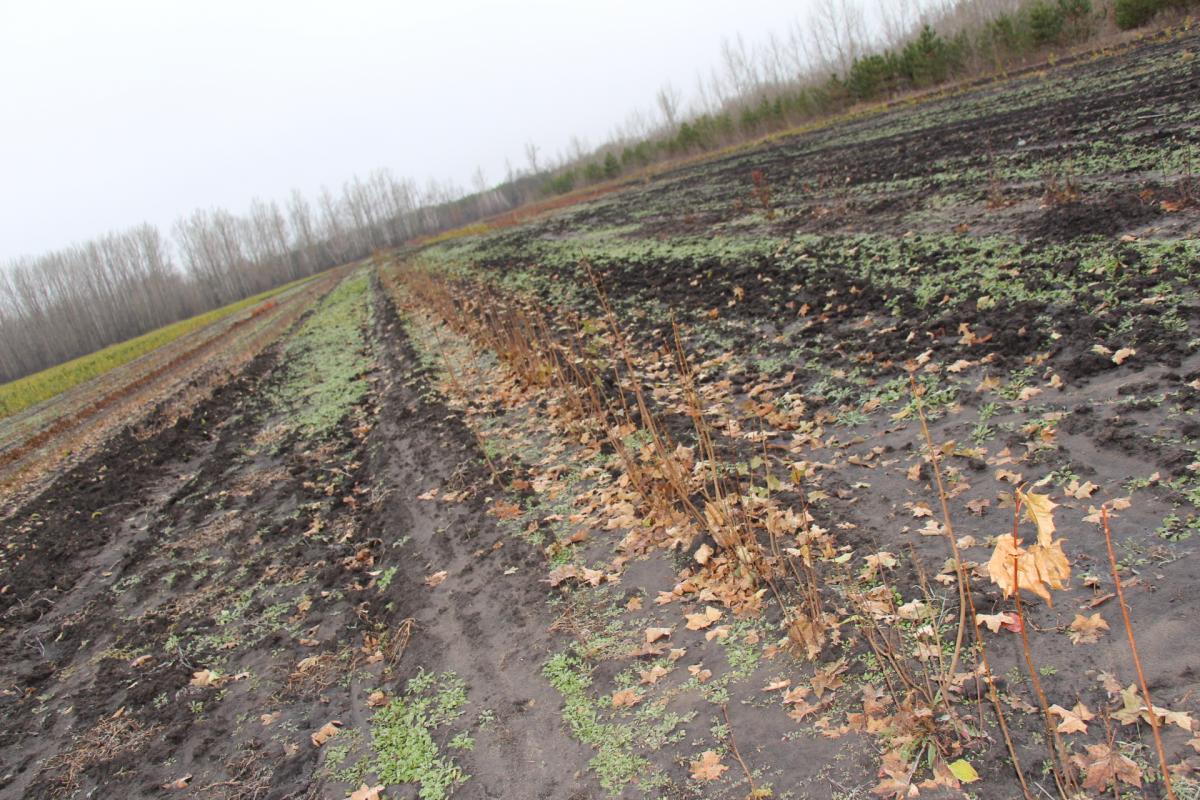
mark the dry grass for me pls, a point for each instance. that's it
(103, 742)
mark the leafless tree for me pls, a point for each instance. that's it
(668, 98)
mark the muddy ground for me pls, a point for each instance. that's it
(390, 552)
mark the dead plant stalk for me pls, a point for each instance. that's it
(1137, 659)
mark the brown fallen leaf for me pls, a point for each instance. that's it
(365, 792)
(921, 509)
(1087, 630)
(1073, 720)
(206, 677)
(652, 676)
(326, 732)
(1039, 509)
(995, 621)
(435, 579)
(1103, 765)
(1081, 491)
(654, 634)
(876, 562)
(703, 619)
(1123, 355)
(708, 767)
(626, 698)
(978, 506)
(376, 699)
(178, 783)
(703, 553)
(268, 720)
(141, 661)
(503, 510)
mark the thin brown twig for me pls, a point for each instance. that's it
(1061, 777)
(958, 564)
(1137, 659)
(736, 753)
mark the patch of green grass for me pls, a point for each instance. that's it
(615, 762)
(20, 394)
(402, 735)
(325, 360)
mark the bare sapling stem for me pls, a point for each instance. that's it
(1061, 778)
(966, 600)
(1137, 659)
(994, 696)
(935, 465)
(737, 753)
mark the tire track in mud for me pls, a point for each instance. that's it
(489, 627)
(109, 563)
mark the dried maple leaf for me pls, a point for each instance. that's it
(1039, 509)
(1000, 568)
(206, 677)
(806, 633)
(326, 732)
(626, 698)
(365, 792)
(1086, 630)
(179, 783)
(1081, 491)
(703, 553)
(1133, 708)
(1074, 720)
(1123, 355)
(797, 694)
(995, 621)
(829, 679)
(435, 579)
(653, 675)
(921, 509)
(1010, 476)
(720, 632)
(654, 634)
(708, 767)
(978, 506)
(876, 562)
(503, 510)
(703, 619)
(1103, 765)
(1041, 564)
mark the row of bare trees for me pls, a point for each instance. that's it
(73, 301)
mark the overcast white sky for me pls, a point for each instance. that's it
(114, 112)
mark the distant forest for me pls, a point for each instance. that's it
(72, 301)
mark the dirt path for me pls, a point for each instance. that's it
(168, 593)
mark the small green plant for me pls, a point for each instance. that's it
(402, 735)
(385, 579)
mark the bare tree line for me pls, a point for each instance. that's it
(75, 300)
